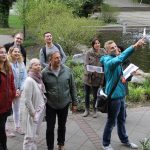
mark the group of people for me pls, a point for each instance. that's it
(47, 94)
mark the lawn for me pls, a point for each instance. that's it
(15, 26)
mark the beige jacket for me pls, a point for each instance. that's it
(33, 98)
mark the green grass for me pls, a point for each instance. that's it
(15, 26)
(14, 22)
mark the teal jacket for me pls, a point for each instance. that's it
(112, 71)
(60, 89)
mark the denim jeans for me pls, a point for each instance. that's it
(116, 114)
(88, 89)
(51, 120)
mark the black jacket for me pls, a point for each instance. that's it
(23, 52)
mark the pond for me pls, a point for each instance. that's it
(140, 57)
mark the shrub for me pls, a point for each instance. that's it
(109, 13)
(58, 19)
(145, 144)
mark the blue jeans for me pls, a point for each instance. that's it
(116, 114)
(88, 89)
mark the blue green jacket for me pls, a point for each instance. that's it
(112, 71)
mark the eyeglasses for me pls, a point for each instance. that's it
(19, 38)
(3, 53)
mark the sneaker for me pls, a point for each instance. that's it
(131, 145)
(95, 114)
(20, 131)
(10, 133)
(61, 147)
(86, 113)
(107, 147)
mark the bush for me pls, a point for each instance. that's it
(145, 144)
(109, 13)
(83, 8)
(58, 19)
(78, 70)
(139, 93)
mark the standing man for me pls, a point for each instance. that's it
(116, 112)
(49, 46)
(18, 41)
(61, 91)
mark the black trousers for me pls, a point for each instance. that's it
(51, 114)
(3, 137)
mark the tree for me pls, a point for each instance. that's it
(4, 12)
(82, 8)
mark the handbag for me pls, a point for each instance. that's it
(103, 100)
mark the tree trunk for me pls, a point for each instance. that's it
(4, 14)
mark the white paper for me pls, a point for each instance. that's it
(144, 32)
(97, 69)
(130, 69)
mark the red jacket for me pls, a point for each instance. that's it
(7, 91)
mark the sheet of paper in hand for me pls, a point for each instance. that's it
(130, 69)
(97, 69)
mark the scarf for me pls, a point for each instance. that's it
(38, 78)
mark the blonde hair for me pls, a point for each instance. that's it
(7, 65)
(11, 49)
(106, 45)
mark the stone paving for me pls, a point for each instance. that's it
(86, 133)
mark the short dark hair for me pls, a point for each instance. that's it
(46, 33)
(94, 40)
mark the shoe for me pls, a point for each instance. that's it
(131, 145)
(86, 113)
(95, 114)
(107, 147)
(20, 131)
(10, 133)
(61, 147)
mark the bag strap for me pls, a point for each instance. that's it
(114, 86)
(44, 50)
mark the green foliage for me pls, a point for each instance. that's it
(139, 93)
(57, 18)
(83, 8)
(15, 26)
(109, 13)
(78, 70)
(145, 144)
(144, 1)
(15, 22)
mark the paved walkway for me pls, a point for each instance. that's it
(5, 39)
(86, 133)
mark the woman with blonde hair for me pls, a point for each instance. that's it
(7, 94)
(19, 70)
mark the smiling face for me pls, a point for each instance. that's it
(35, 65)
(3, 55)
(97, 45)
(15, 54)
(112, 48)
(18, 39)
